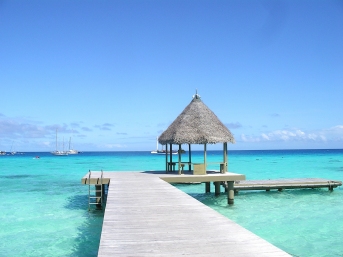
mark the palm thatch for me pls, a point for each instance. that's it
(197, 124)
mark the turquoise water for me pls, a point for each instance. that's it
(44, 209)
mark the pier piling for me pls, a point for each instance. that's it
(230, 192)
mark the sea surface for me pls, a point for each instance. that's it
(44, 206)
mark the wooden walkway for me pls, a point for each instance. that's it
(281, 184)
(146, 216)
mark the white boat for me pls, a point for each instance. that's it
(157, 151)
(57, 152)
(72, 151)
(162, 152)
(2, 153)
(12, 152)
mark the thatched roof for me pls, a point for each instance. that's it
(197, 124)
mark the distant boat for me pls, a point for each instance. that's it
(157, 151)
(57, 152)
(2, 153)
(12, 152)
(163, 152)
(72, 151)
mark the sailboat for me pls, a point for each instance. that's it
(72, 151)
(12, 152)
(2, 152)
(57, 152)
(157, 151)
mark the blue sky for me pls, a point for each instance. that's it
(114, 74)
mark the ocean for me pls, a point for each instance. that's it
(44, 206)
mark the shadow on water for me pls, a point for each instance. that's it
(89, 233)
(88, 237)
(77, 202)
(24, 176)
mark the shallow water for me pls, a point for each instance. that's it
(45, 208)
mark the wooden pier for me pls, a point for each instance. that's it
(147, 216)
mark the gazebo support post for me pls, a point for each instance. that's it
(171, 156)
(167, 166)
(205, 158)
(226, 164)
(230, 192)
(179, 153)
(189, 157)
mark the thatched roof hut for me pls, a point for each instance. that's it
(197, 124)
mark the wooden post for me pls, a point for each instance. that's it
(189, 157)
(225, 158)
(179, 154)
(205, 157)
(170, 154)
(217, 188)
(103, 191)
(208, 187)
(230, 192)
(167, 166)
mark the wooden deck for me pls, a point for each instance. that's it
(171, 177)
(146, 216)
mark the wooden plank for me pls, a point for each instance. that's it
(146, 216)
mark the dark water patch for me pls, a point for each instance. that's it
(18, 176)
(88, 237)
(77, 202)
(339, 169)
(37, 189)
(335, 161)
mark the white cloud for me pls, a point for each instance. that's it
(290, 135)
(312, 136)
(264, 136)
(246, 138)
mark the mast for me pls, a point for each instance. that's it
(56, 140)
